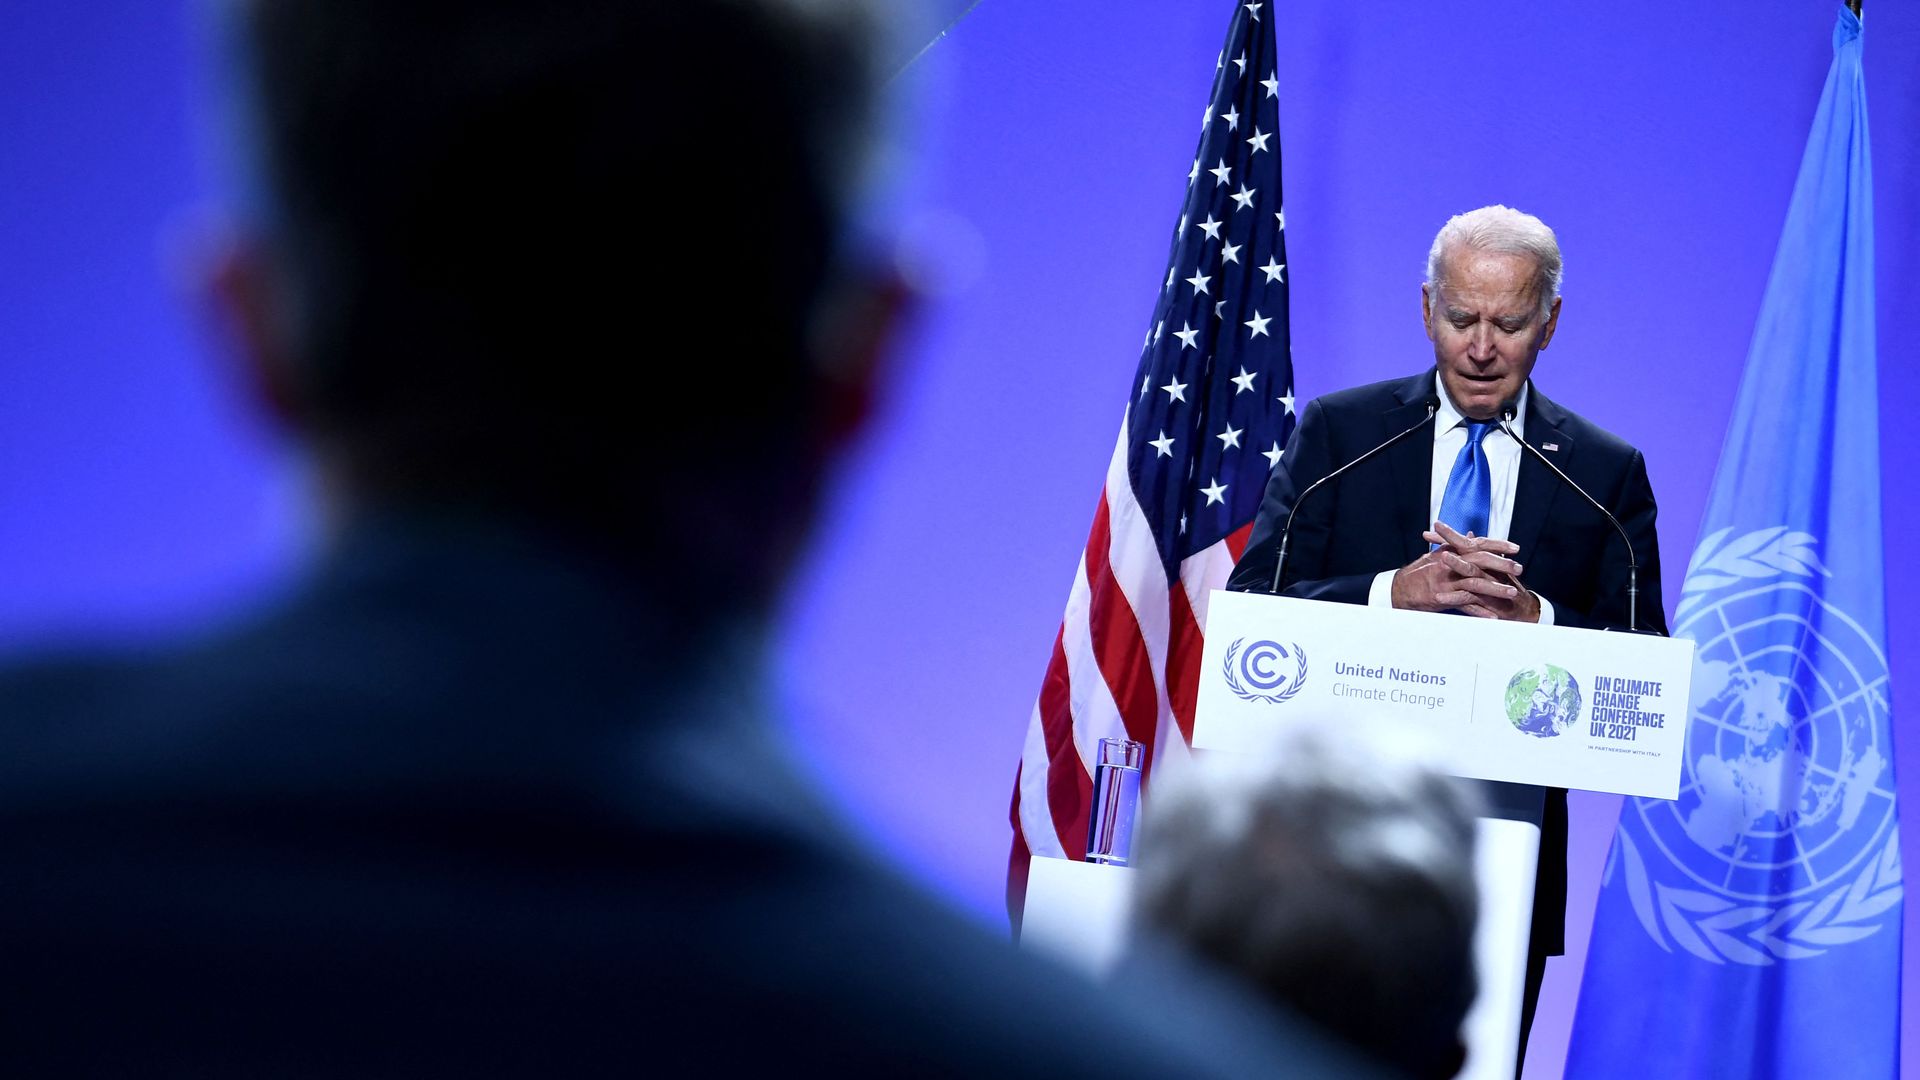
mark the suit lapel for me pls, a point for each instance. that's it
(1537, 487)
(1412, 462)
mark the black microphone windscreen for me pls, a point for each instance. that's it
(1509, 409)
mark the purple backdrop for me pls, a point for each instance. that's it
(1052, 143)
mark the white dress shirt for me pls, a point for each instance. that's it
(1503, 462)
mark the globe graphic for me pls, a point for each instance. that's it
(1543, 701)
(1786, 786)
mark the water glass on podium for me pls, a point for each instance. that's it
(1116, 798)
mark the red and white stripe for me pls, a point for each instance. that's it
(1125, 663)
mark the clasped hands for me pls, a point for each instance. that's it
(1474, 575)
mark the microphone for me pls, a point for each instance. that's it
(1510, 409)
(1432, 403)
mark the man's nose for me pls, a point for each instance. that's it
(1480, 344)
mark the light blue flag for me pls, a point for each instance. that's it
(1752, 928)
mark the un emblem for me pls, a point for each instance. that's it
(1543, 701)
(1784, 842)
(1254, 674)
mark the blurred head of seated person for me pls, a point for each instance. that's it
(1334, 873)
(575, 264)
(555, 296)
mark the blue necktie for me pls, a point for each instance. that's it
(1468, 502)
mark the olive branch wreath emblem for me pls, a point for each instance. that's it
(1723, 559)
(1715, 928)
(1229, 669)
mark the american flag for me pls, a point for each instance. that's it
(1208, 411)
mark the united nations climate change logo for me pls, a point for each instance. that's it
(1543, 701)
(1784, 842)
(1258, 674)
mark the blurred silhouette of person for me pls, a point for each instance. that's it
(1335, 874)
(556, 297)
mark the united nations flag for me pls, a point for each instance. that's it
(1751, 928)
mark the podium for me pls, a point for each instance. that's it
(1519, 706)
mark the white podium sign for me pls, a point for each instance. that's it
(1558, 707)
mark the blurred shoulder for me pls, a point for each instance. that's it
(80, 719)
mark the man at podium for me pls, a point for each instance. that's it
(1461, 517)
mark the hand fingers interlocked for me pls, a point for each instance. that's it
(1481, 577)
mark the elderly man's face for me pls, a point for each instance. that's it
(1487, 326)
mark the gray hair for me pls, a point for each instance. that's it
(1504, 230)
(1335, 874)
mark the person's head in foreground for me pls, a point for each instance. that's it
(570, 262)
(1334, 873)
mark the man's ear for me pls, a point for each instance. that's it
(852, 349)
(1426, 309)
(249, 303)
(1553, 323)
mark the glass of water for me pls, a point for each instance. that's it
(1116, 798)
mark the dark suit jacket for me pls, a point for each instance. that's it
(468, 804)
(1371, 519)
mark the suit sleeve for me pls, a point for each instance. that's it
(1634, 506)
(1308, 458)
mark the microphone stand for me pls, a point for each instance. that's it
(1508, 410)
(1286, 534)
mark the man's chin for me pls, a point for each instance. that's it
(1479, 400)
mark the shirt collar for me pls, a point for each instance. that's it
(1450, 417)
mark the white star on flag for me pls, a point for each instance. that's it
(1186, 335)
(1229, 437)
(1258, 142)
(1273, 270)
(1176, 390)
(1244, 381)
(1210, 227)
(1221, 172)
(1163, 445)
(1230, 253)
(1216, 493)
(1258, 324)
(1244, 197)
(1199, 282)
(1272, 456)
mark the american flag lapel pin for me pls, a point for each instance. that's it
(1550, 446)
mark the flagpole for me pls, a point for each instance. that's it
(947, 29)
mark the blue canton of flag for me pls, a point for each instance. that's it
(1751, 928)
(1214, 396)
